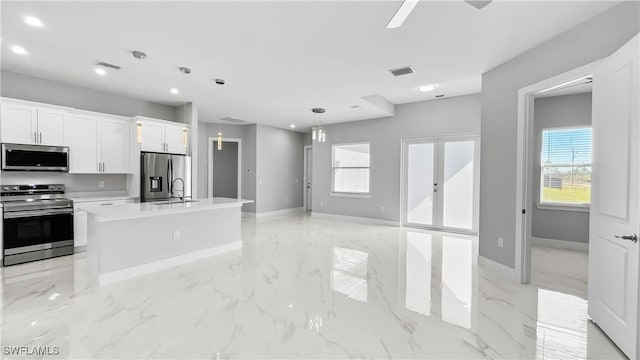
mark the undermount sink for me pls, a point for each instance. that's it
(167, 202)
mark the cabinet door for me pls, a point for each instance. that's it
(79, 228)
(18, 124)
(173, 139)
(152, 136)
(51, 126)
(81, 134)
(115, 146)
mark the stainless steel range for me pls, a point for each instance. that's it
(37, 223)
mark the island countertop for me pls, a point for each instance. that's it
(150, 209)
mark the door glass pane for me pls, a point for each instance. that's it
(458, 184)
(420, 183)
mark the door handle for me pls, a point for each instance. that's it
(633, 237)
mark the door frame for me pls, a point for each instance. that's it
(524, 164)
(211, 145)
(438, 165)
(305, 153)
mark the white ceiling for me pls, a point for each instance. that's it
(280, 59)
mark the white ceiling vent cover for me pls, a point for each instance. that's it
(234, 120)
(402, 71)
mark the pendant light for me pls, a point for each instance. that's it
(219, 139)
(318, 133)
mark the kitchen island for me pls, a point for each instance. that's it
(129, 240)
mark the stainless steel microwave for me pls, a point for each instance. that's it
(20, 157)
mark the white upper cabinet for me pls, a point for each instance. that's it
(115, 146)
(163, 136)
(173, 137)
(51, 126)
(98, 144)
(152, 136)
(83, 135)
(27, 123)
(19, 123)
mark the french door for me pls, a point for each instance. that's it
(441, 183)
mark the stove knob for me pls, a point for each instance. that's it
(16, 188)
(52, 187)
(6, 188)
(60, 187)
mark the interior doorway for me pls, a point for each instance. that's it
(225, 168)
(308, 171)
(440, 183)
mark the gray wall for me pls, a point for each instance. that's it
(558, 111)
(279, 168)
(25, 87)
(456, 115)
(225, 170)
(73, 182)
(589, 41)
(30, 88)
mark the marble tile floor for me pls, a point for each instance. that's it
(304, 287)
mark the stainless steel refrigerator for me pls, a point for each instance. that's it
(164, 175)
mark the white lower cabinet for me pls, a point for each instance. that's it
(80, 218)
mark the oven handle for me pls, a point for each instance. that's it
(24, 214)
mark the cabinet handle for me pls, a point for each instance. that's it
(35, 137)
(40, 138)
(102, 167)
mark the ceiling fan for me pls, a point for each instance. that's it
(407, 6)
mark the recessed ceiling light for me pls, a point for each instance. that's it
(19, 50)
(174, 91)
(427, 88)
(33, 21)
(100, 71)
(184, 70)
(293, 126)
(356, 107)
(139, 55)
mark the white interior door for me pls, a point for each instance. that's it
(441, 183)
(613, 261)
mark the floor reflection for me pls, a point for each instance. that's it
(349, 273)
(562, 326)
(439, 275)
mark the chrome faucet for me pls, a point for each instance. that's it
(172, 190)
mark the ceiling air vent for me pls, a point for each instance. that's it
(107, 65)
(234, 120)
(402, 71)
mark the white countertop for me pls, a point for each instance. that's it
(95, 196)
(150, 209)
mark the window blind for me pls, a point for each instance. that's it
(351, 168)
(566, 166)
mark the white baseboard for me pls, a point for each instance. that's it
(263, 214)
(124, 274)
(560, 244)
(502, 271)
(356, 219)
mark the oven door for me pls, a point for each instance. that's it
(25, 231)
(18, 157)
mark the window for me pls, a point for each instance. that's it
(566, 166)
(350, 169)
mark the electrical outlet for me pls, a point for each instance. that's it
(381, 208)
(100, 184)
(500, 242)
(176, 234)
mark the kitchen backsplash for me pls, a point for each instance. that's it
(73, 182)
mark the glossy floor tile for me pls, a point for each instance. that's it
(304, 287)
